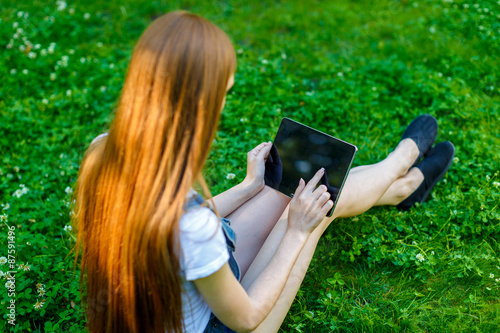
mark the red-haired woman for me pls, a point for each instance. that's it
(156, 257)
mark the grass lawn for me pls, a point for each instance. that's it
(359, 70)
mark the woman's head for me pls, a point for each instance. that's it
(132, 185)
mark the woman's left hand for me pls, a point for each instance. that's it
(256, 159)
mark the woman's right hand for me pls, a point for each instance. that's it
(309, 205)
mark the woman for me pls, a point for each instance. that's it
(155, 256)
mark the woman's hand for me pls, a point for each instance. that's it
(256, 159)
(309, 206)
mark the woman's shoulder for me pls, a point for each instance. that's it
(197, 218)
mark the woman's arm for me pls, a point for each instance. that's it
(228, 201)
(243, 310)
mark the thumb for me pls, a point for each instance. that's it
(300, 188)
(264, 151)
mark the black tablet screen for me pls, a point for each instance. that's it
(302, 151)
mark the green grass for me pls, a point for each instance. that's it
(359, 70)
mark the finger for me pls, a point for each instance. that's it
(322, 189)
(257, 149)
(314, 180)
(300, 188)
(326, 207)
(264, 151)
(323, 198)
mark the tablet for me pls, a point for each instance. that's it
(300, 151)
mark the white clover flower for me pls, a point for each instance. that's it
(15, 25)
(61, 5)
(43, 52)
(38, 305)
(496, 184)
(71, 11)
(3, 217)
(25, 72)
(86, 16)
(3, 260)
(20, 14)
(244, 119)
(68, 190)
(20, 31)
(53, 76)
(230, 176)
(68, 92)
(27, 267)
(111, 66)
(7, 206)
(71, 51)
(420, 257)
(22, 48)
(51, 48)
(492, 276)
(240, 51)
(265, 61)
(45, 101)
(13, 71)
(37, 46)
(28, 243)
(103, 88)
(67, 228)
(82, 60)
(339, 74)
(432, 252)
(41, 292)
(466, 5)
(99, 44)
(496, 280)
(9, 284)
(32, 55)
(9, 46)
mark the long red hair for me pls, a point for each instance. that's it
(132, 184)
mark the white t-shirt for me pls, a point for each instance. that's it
(204, 252)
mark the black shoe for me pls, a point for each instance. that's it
(433, 167)
(422, 130)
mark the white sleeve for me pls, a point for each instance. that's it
(203, 245)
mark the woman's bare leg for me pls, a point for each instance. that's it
(400, 189)
(362, 190)
(253, 221)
